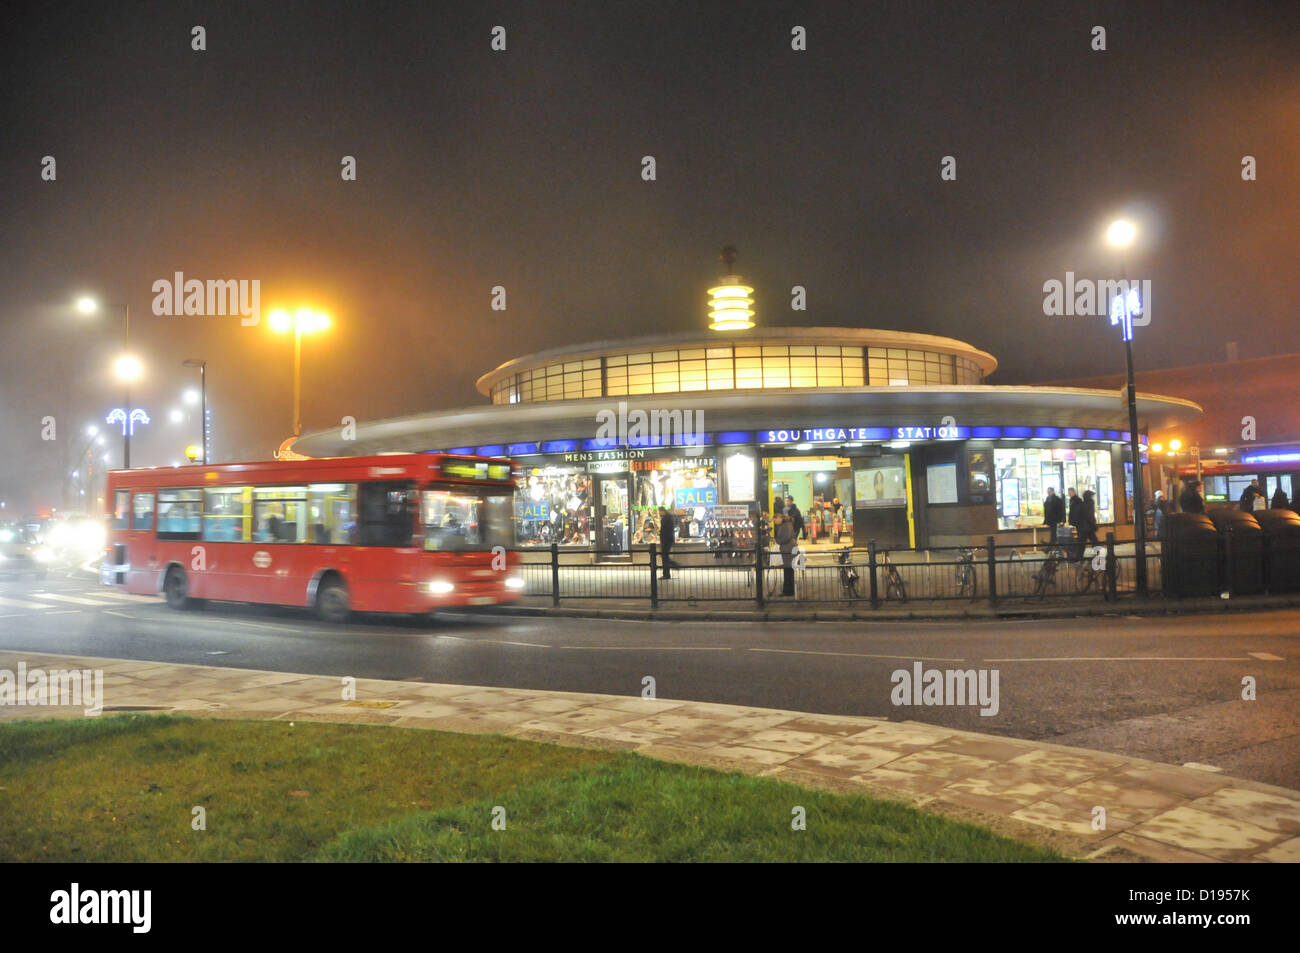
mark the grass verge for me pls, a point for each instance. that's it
(124, 788)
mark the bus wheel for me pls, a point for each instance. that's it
(177, 589)
(332, 603)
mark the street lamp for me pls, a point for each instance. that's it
(303, 321)
(1120, 235)
(126, 367)
(202, 397)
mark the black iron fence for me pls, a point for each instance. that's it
(877, 576)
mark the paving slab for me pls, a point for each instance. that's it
(1154, 811)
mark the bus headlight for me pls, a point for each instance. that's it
(45, 554)
(440, 587)
(514, 582)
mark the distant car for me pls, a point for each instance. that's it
(21, 553)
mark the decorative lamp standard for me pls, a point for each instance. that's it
(1120, 235)
(730, 304)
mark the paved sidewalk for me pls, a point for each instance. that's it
(1045, 792)
(784, 610)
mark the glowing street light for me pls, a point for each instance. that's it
(175, 415)
(303, 321)
(1120, 235)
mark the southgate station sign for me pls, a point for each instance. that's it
(862, 434)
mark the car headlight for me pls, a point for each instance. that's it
(45, 554)
(440, 587)
(514, 582)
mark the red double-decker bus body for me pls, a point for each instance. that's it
(408, 533)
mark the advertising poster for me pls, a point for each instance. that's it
(880, 486)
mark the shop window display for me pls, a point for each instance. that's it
(554, 505)
(688, 487)
(1024, 474)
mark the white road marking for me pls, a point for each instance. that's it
(917, 658)
(123, 596)
(651, 648)
(1127, 658)
(1266, 656)
(20, 604)
(120, 615)
(75, 600)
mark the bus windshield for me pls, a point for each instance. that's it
(467, 518)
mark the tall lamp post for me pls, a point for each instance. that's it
(203, 398)
(304, 321)
(1121, 235)
(126, 367)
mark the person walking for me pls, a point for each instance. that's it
(1279, 501)
(837, 525)
(796, 518)
(1090, 501)
(1249, 495)
(785, 538)
(1190, 501)
(667, 528)
(1079, 520)
(1053, 512)
(814, 519)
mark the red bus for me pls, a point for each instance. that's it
(409, 533)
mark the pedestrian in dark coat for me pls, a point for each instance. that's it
(1279, 501)
(1159, 508)
(796, 518)
(667, 526)
(1053, 510)
(1090, 501)
(1248, 495)
(1189, 501)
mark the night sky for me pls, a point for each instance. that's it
(522, 168)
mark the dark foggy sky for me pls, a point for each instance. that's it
(522, 169)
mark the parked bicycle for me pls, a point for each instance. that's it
(1093, 571)
(1046, 575)
(894, 587)
(848, 575)
(967, 583)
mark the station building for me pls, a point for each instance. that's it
(901, 428)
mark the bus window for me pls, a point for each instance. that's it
(225, 514)
(331, 513)
(466, 518)
(179, 514)
(387, 513)
(280, 514)
(121, 508)
(142, 511)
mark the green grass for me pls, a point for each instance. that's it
(122, 789)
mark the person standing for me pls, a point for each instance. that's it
(837, 526)
(785, 537)
(1190, 501)
(814, 519)
(1159, 509)
(1053, 511)
(1279, 501)
(1078, 519)
(667, 528)
(796, 518)
(1249, 494)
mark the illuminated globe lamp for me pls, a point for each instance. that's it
(730, 304)
(193, 452)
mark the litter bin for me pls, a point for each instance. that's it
(1190, 549)
(1241, 551)
(1281, 549)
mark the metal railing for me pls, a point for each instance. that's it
(988, 574)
